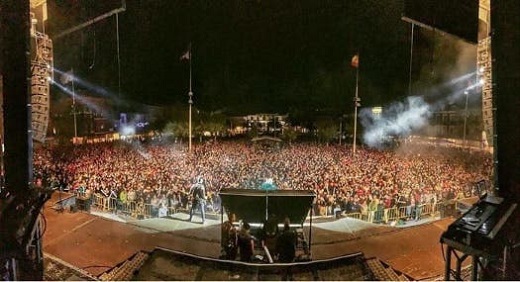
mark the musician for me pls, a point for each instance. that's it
(269, 232)
(198, 198)
(286, 243)
(286, 249)
(229, 238)
(246, 243)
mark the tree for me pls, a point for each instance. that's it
(253, 132)
(178, 129)
(327, 130)
(215, 128)
(213, 122)
(289, 135)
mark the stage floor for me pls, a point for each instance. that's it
(97, 243)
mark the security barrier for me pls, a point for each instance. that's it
(356, 215)
(135, 209)
(140, 210)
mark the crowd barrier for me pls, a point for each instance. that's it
(141, 210)
(395, 214)
(135, 209)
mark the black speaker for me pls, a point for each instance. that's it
(505, 43)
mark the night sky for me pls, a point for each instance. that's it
(248, 56)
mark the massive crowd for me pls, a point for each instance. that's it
(161, 174)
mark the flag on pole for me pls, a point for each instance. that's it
(67, 77)
(355, 61)
(186, 55)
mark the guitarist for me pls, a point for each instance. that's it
(198, 198)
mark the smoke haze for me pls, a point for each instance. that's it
(398, 119)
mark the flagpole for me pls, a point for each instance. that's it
(340, 130)
(356, 101)
(411, 61)
(190, 102)
(74, 106)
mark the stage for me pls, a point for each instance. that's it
(97, 243)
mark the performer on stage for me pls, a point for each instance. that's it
(198, 198)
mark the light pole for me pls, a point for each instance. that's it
(356, 104)
(74, 105)
(466, 92)
(188, 56)
(190, 101)
(340, 129)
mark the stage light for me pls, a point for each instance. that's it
(92, 106)
(481, 81)
(377, 110)
(127, 130)
(481, 70)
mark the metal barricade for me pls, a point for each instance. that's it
(418, 211)
(379, 216)
(148, 211)
(356, 215)
(425, 211)
(139, 211)
(128, 208)
(428, 210)
(97, 201)
(437, 208)
(391, 214)
(401, 212)
(112, 204)
(370, 216)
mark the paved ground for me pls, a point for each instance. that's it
(97, 243)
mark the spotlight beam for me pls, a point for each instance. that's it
(82, 99)
(90, 86)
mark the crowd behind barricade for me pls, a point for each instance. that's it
(150, 180)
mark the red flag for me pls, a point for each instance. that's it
(355, 61)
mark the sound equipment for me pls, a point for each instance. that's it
(477, 233)
(481, 223)
(41, 68)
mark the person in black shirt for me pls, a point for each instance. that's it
(286, 244)
(198, 198)
(246, 244)
(269, 232)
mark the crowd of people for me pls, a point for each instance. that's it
(161, 174)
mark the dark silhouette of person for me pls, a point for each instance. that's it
(286, 244)
(198, 198)
(229, 239)
(269, 232)
(246, 243)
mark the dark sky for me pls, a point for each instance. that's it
(248, 56)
